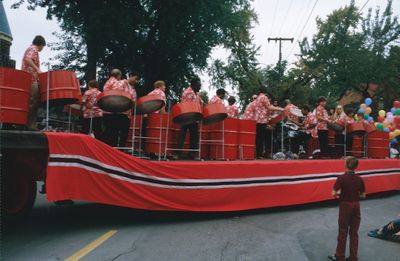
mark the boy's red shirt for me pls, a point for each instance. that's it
(350, 185)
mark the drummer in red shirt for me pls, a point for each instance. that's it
(310, 126)
(218, 97)
(263, 108)
(323, 118)
(92, 114)
(249, 112)
(31, 64)
(190, 94)
(159, 89)
(232, 110)
(299, 138)
(117, 124)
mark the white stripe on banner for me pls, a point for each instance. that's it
(317, 177)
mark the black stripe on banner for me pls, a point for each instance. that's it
(201, 184)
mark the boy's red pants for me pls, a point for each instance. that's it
(349, 218)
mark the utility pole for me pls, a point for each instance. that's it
(280, 39)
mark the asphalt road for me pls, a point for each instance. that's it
(293, 233)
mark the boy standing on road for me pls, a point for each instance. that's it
(349, 188)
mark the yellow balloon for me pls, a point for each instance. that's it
(368, 110)
(391, 135)
(382, 113)
(363, 106)
(397, 132)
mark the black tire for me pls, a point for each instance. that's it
(18, 197)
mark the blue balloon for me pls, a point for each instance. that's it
(361, 110)
(370, 118)
(386, 129)
(368, 101)
(393, 110)
(393, 141)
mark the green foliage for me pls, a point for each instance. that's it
(349, 50)
(162, 39)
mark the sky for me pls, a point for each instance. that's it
(276, 18)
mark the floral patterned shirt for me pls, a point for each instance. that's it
(250, 111)
(216, 99)
(33, 53)
(262, 109)
(321, 113)
(158, 92)
(121, 85)
(340, 119)
(89, 100)
(310, 120)
(189, 95)
(232, 111)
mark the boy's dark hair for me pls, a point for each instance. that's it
(231, 100)
(93, 84)
(351, 163)
(306, 107)
(39, 41)
(221, 92)
(194, 80)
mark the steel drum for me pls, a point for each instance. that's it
(115, 101)
(64, 87)
(186, 113)
(213, 113)
(277, 118)
(356, 128)
(15, 90)
(335, 127)
(369, 128)
(296, 112)
(149, 103)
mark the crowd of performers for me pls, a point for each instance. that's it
(113, 128)
(306, 124)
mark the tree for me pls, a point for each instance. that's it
(162, 39)
(349, 50)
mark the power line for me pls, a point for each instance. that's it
(302, 30)
(272, 25)
(302, 18)
(284, 17)
(363, 6)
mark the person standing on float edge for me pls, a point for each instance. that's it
(31, 64)
(348, 188)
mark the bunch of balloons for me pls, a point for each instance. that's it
(387, 121)
(366, 110)
(390, 121)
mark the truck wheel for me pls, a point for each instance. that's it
(18, 196)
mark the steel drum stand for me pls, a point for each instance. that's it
(282, 136)
(221, 142)
(140, 137)
(175, 149)
(364, 143)
(69, 118)
(345, 141)
(48, 98)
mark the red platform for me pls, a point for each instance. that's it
(82, 168)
